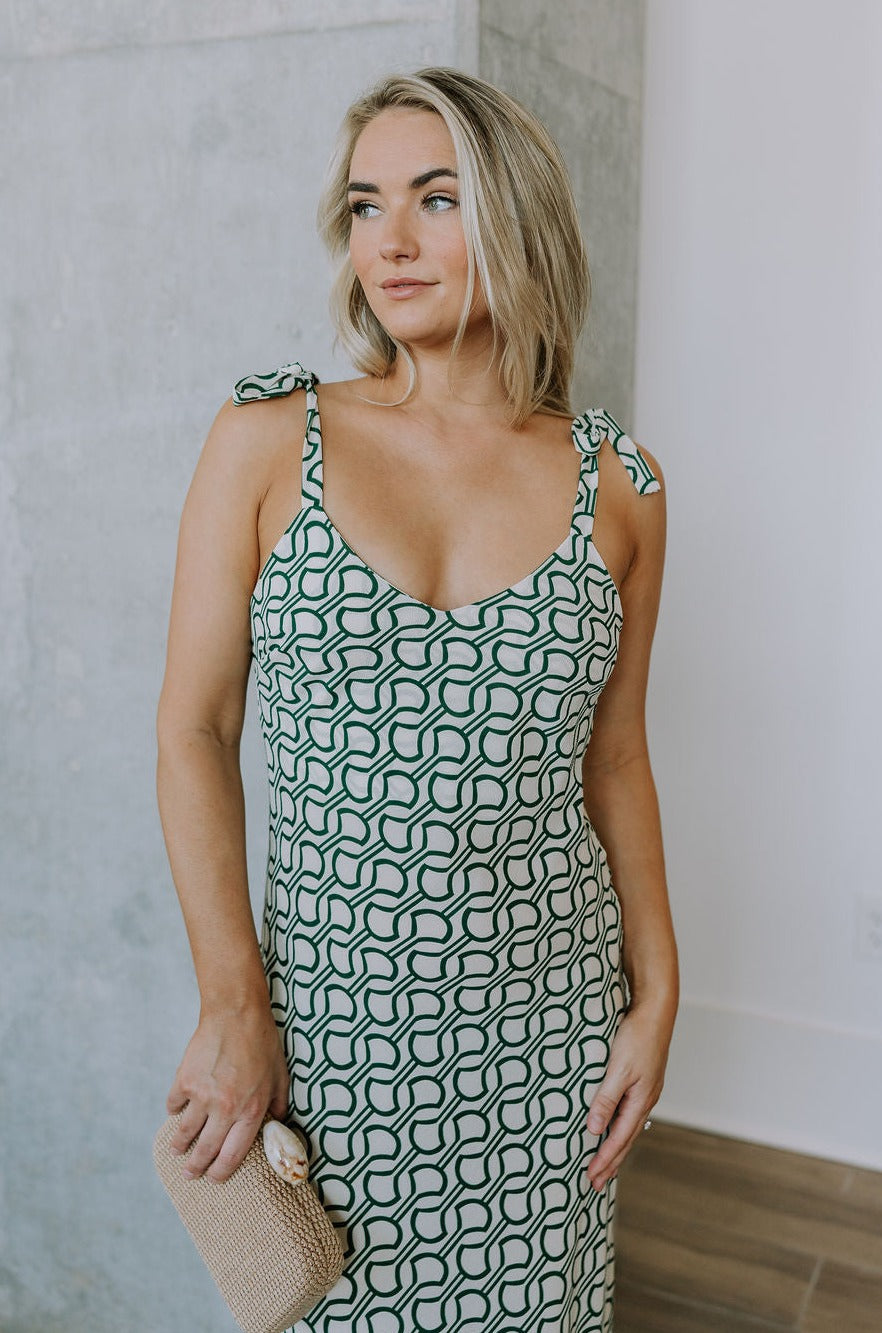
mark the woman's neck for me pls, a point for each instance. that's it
(477, 390)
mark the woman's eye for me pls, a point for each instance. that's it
(443, 203)
(359, 205)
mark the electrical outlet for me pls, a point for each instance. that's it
(868, 933)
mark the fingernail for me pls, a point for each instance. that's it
(190, 1175)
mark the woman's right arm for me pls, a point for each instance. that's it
(233, 1070)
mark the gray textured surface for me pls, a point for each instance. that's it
(158, 198)
(51, 27)
(578, 66)
(600, 40)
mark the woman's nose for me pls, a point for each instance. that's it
(398, 239)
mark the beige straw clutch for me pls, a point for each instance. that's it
(269, 1245)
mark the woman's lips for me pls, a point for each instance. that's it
(400, 290)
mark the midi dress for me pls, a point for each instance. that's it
(441, 935)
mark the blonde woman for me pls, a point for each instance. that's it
(448, 581)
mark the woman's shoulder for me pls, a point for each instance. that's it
(277, 400)
(596, 424)
(630, 475)
(247, 445)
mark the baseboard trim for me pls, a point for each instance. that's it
(808, 1088)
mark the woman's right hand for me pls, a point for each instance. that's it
(232, 1073)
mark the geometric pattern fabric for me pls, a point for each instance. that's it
(441, 935)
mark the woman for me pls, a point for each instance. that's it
(444, 955)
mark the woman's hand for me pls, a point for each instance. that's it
(232, 1072)
(630, 1089)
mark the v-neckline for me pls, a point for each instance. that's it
(549, 560)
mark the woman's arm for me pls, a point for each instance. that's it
(621, 802)
(233, 1069)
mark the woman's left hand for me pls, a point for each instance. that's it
(630, 1089)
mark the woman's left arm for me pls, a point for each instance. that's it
(621, 803)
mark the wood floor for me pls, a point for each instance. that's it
(714, 1235)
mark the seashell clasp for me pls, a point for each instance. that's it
(285, 1152)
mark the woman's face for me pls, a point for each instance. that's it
(405, 226)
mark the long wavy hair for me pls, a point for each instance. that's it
(521, 229)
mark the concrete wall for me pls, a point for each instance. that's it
(579, 65)
(758, 385)
(159, 183)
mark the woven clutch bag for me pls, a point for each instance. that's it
(269, 1245)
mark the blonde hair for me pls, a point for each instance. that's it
(521, 230)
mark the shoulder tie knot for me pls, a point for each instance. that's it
(274, 384)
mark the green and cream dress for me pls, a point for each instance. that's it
(441, 934)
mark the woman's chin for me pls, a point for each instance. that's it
(419, 334)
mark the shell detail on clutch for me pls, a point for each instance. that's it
(285, 1152)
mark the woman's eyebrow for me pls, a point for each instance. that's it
(415, 184)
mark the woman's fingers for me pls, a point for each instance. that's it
(221, 1141)
(278, 1107)
(234, 1148)
(603, 1105)
(190, 1124)
(615, 1165)
(605, 1113)
(208, 1145)
(624, 1132)
(631, 1087)
(176, 1100)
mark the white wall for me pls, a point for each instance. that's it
(758, 385)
